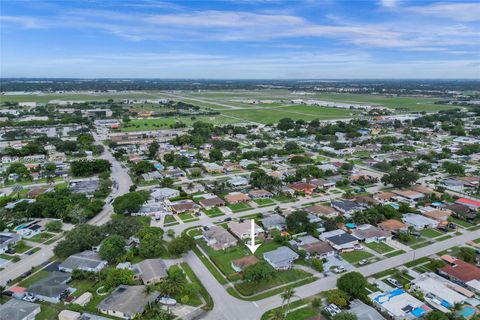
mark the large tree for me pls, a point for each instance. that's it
(112, 248)
(353, 283)
(401, 178)
(298, 222)
(261, 271)
(130, 202)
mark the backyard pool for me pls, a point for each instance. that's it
(467, 311)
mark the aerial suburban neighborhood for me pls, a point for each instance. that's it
(239, 160)
(126, 215)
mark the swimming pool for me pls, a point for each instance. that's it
(467, 311)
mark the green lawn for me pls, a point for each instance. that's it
(170, 219)
(238, 207)
(166, 122)
(273, 115)
(264, 202)
(394, 253)
(384, 273)
(21, 247)
(283, 198)
(430, 233)
(186, 217)
(215, 212)
(302, 313)
(223, 258)
(420, 245)
(48, 311)
(280, 278)
(462, 223)
(41, 237)
(355, 256)
(217, 275)
(417, 262)
(6, 256)
(379, 247)
(445, 237)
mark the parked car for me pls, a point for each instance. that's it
(363, 262)
(29, 297)
(227, 219)
(332, 309)
(339, 269)
(167, 301)
(394, 282)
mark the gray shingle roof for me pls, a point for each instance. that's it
(17, 309)
(129, 300)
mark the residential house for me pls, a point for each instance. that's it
(393, 226)
(322, 183)
(364, 311)
(383, 196)
(212, 167)
(418, 221)
(303, 187)
(347, 207)
(281, 259)
(161, 194)
(438, 291)
(274, 221)
(84, 261)
(399, 304)
(127, 302)
(218, 238)
(322, 211)
(474, 204)
(340, 240)
(151, 271)
(260, 194)
(461, 272)
(236, 197)
(409, 196)
(240, 264)
(441, 215)
(463, 211)
(184, 206)
(15, 309)
(211, 202)
(85, 186)
(193, 188)
(368, 233)
(243, 230)
(313, 247)
(238, 181)
(52, 288)
(7, 240)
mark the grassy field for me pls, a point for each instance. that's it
(379, 247)
(237, 207)
(355, 256)
(164, 123)
(430, 233)
(264, 202)
(273, 115)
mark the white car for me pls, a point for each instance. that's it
(29, 297)
(339, 269)
(394, 282)
(167, 301)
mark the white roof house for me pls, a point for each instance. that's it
(399, 304)
(438, 290)
(418, 221)
(161, 194)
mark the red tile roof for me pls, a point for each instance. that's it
(462, 270)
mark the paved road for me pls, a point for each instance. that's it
(227, 307)
(121, 185)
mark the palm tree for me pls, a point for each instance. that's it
(287, 295)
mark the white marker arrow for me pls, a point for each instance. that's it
(253, 247)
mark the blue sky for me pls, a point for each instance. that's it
(245, 39)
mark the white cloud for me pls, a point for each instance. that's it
(389, 3)
(457, 11)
